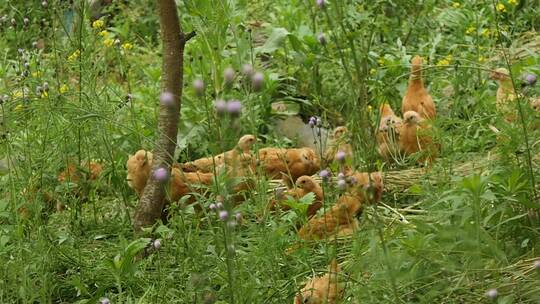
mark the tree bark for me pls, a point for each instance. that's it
(173, 39)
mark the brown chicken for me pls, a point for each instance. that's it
(138, 170)
(277, 162)
(206, 164)
(416, 136)
(338, 221)
(370, 185)
(416, 97)
(388, 133)
(88, 170)
(325, 289)
(339, 142)
(181, 183)
(304, 185)
(506, 94)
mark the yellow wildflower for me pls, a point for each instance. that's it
(108, 42)
(456, 4)
(369, 108)
(470, 30)
(481, 59)
(486, 32)
(372, 71)
(44, 94)
(19, 107)
(98, 24)
(127, 46)
(381, 61)
(513, 2)
(36, 74)
(444, 61)
(18, 94)
(103, 33)
(501, 8)
(74, 55)
(63, 88)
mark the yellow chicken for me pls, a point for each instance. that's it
(277, 163)
(304, 185)
(388, 133)
(325, 289)
(417, 98)
(416, 136)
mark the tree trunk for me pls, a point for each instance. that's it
(174, 40)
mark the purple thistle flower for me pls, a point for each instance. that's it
(321, 3)
(340, 156)
(234, 107)
(257, 81)
(228, 75)
(161, 174)
(536, 265)
(341, 184)
(312, 122)
(529, 79)
(321, 38)
(198, 86)
(167, 99)
(157, 244)
(220, 106)
(104, 301)
(247, 69)
(324, 174)
(223, 215)
(492, 293)
(212, 206)
(238, 217)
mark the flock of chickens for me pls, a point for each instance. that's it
(395, 136)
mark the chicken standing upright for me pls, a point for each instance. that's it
(417, 98)
(388, 132)
(506, 94)
(416, 135)
(325, 289)
(304, 185)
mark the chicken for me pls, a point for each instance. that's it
(184, 183)
(277, 162)
(415, 136)
(304, 185)
(138, 170)
(91, 169)
(370, 185)
(206, 164)
(417, 98)
(181, 183)
(506, 93)
(325, 289)
(388, 133)
(339, 220)
(339, 142)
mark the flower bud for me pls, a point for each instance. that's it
(321, 38)
(157, 244)
(44, 4)
(238, 217)
(321, 3)
(529, 79)
(26, 21)
(212, 206)
(234, 107)
(161, 175)
(198, 86)
(312, 122)
(247, 69)
(324, 174)
(104, 301)
(228, 75)
(223, 215)
(167, 99)
(341, 184)
(492, 294)
(340, 156)
(220, 105)
(257, 81)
